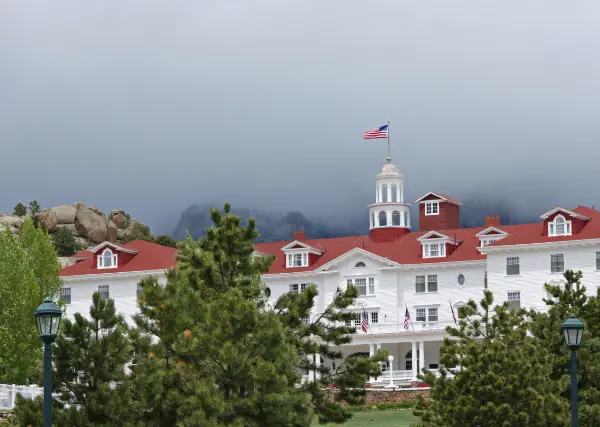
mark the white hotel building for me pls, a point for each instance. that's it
(395, 269)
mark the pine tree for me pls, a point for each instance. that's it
(20, 210)
(34, 207)
(503, 377)
(567, 299)
(90, 356)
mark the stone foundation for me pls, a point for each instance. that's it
(375, 396)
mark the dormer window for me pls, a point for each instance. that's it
(434, 250)
(490, 235)
(297, 259)
(485, 242)
(559, 227)
(107, 259)
(432, 208)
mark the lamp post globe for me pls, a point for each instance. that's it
(572, 331)
(47, 320)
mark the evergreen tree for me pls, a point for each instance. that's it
(20, 210)
(567, 299)
(166, 240)
(34, 207)
(65, 243)
(89, 372)
(503, 377)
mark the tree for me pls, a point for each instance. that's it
(28, 273)
(564, 300)
(504, 375)
(166, 240)
(34, 207)
(20, 210)
(64, 242)
(89, 372)
(137, 231)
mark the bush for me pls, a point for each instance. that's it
(20, 210)
(166, 240)
(64, 242)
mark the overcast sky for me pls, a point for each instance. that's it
(152, 105)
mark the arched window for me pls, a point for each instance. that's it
(384, 193)
(406, 223)
(372, 219)
(395, 218)
(382, 219)
(107, 259)
(394, 193)
(360, 264)
(559, 227)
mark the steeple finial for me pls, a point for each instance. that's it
(389, 159)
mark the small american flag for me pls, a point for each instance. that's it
(381, 132)
(406, 319)
(365, 323)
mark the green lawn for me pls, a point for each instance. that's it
(389, 418)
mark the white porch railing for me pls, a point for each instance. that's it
(394, 328)
(8, 394)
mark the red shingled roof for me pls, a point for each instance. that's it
(150, 257)
(408, 250)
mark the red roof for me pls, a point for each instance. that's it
(408, 250)
(150, 256)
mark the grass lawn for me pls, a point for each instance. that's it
(389, 418)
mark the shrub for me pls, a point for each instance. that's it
(166, 240)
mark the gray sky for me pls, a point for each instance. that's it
(151, 105)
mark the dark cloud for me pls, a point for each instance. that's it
(151, 106)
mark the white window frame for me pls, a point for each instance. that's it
(432, 278)
(138, 291)
(511, 261)
(488, 241)
(440, 250)
(557, 263)
(369, 285)
(64, 292)
(428, 311)
(374, 315)
(104, 289)
(597, 260)
(111, 255)
(513, 296)
(432, 208)
(420, 281)
(559, 221)
(294, 287)
(297, 259)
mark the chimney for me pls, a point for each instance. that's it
(300, 235)
(492, 221)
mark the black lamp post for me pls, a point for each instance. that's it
(47, 320)
(572, 330)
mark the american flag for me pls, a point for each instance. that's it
(406, 319)
(365, 323)
(381, 132)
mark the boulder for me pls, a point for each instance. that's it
(13, 221)
(119, 218)
(64, 261)
(84, 243)
(111, 231)
(4, 227)
(91, 225)
(47, 219)
(96, 210)
(65, 214)
(70, 227)
(120, 235)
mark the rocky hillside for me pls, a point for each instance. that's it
(87, 224)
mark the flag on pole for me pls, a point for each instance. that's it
(406, 319)
(380, 132)
(452, 309)
(365, 323)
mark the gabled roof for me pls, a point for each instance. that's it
(146, 256)
(114, 246)
(493, 231)
(440, 196)
(297, 244)
(572, 214)
(432, 235)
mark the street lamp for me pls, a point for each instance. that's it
(47, 320)
(572, 330)
(391, 360)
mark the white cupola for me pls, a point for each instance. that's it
(389, 211)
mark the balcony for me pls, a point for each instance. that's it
(395, 328)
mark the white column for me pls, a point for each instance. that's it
(311, 372)
(414, 360)
(421, 355)
(398, 198)
(371, 354)
(389, 192)
(401, 193)
(379, 193)
(318, 366)
(379, 348)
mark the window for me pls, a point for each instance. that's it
(294, 287)
(485, 285)
(420, 284)
(138, 291)
(559, 227)
(426, 314)
(512, 266)
(357, 320)
(432, 208)
(395, 218)
(104, 291)
(432, 312)
(597, 260)
(303, 287)
(434, 250)
(420, 315)
(372, 219)
(374, 317)
(384, 193)
(107, 259)
(557, 263)
(361, 284)
(65, 295)
(360, 264)
(382, 219)
(434, 366)
(514, 300)
(297, 260)
(461, 280)
(432, 283)
(394, 193)
(485, 242)
(406, 222)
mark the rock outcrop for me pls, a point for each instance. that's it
(90, 224)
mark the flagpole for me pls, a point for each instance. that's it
(389, 156)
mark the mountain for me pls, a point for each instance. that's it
(274, 226)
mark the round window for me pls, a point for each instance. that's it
(461, 280)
